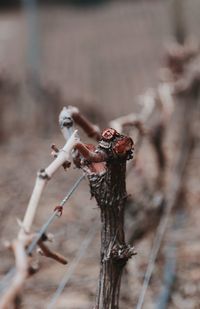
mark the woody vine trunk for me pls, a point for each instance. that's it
(105, 166)
(109, 190)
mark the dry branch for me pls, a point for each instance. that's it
(151, 123)
(137, 120)
(186, 88)
(51, 254)
(24, 237)
(22, 272)
(43, 177)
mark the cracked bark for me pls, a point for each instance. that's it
(109, 190)
(105, 166)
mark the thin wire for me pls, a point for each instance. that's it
(53, 216)
(178, 171)
(170, 263)
(153, 255)
(86, 242)
(5, 281)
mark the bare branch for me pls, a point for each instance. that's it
(42, 178)
(51, 254)
(137, 120)
(22, 273)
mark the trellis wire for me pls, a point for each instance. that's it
(53, 216)
(9, 275)
(153, 255)
(178, 171)
(171, 261)
(169, 277)
(4, 282)
(86, 242)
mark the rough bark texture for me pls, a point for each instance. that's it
(105, 166)
(109, 190)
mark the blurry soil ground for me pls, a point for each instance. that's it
(113, 55)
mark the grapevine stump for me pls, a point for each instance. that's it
(106, 167)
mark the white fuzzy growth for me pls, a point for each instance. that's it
(66, 113)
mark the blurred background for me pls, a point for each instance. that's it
(98, 55)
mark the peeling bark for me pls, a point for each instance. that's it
(108, 186)
(105, 166)
(109, 190)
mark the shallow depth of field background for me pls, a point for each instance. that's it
(98, 57)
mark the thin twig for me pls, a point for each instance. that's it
(51, 254)
(169, 278)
